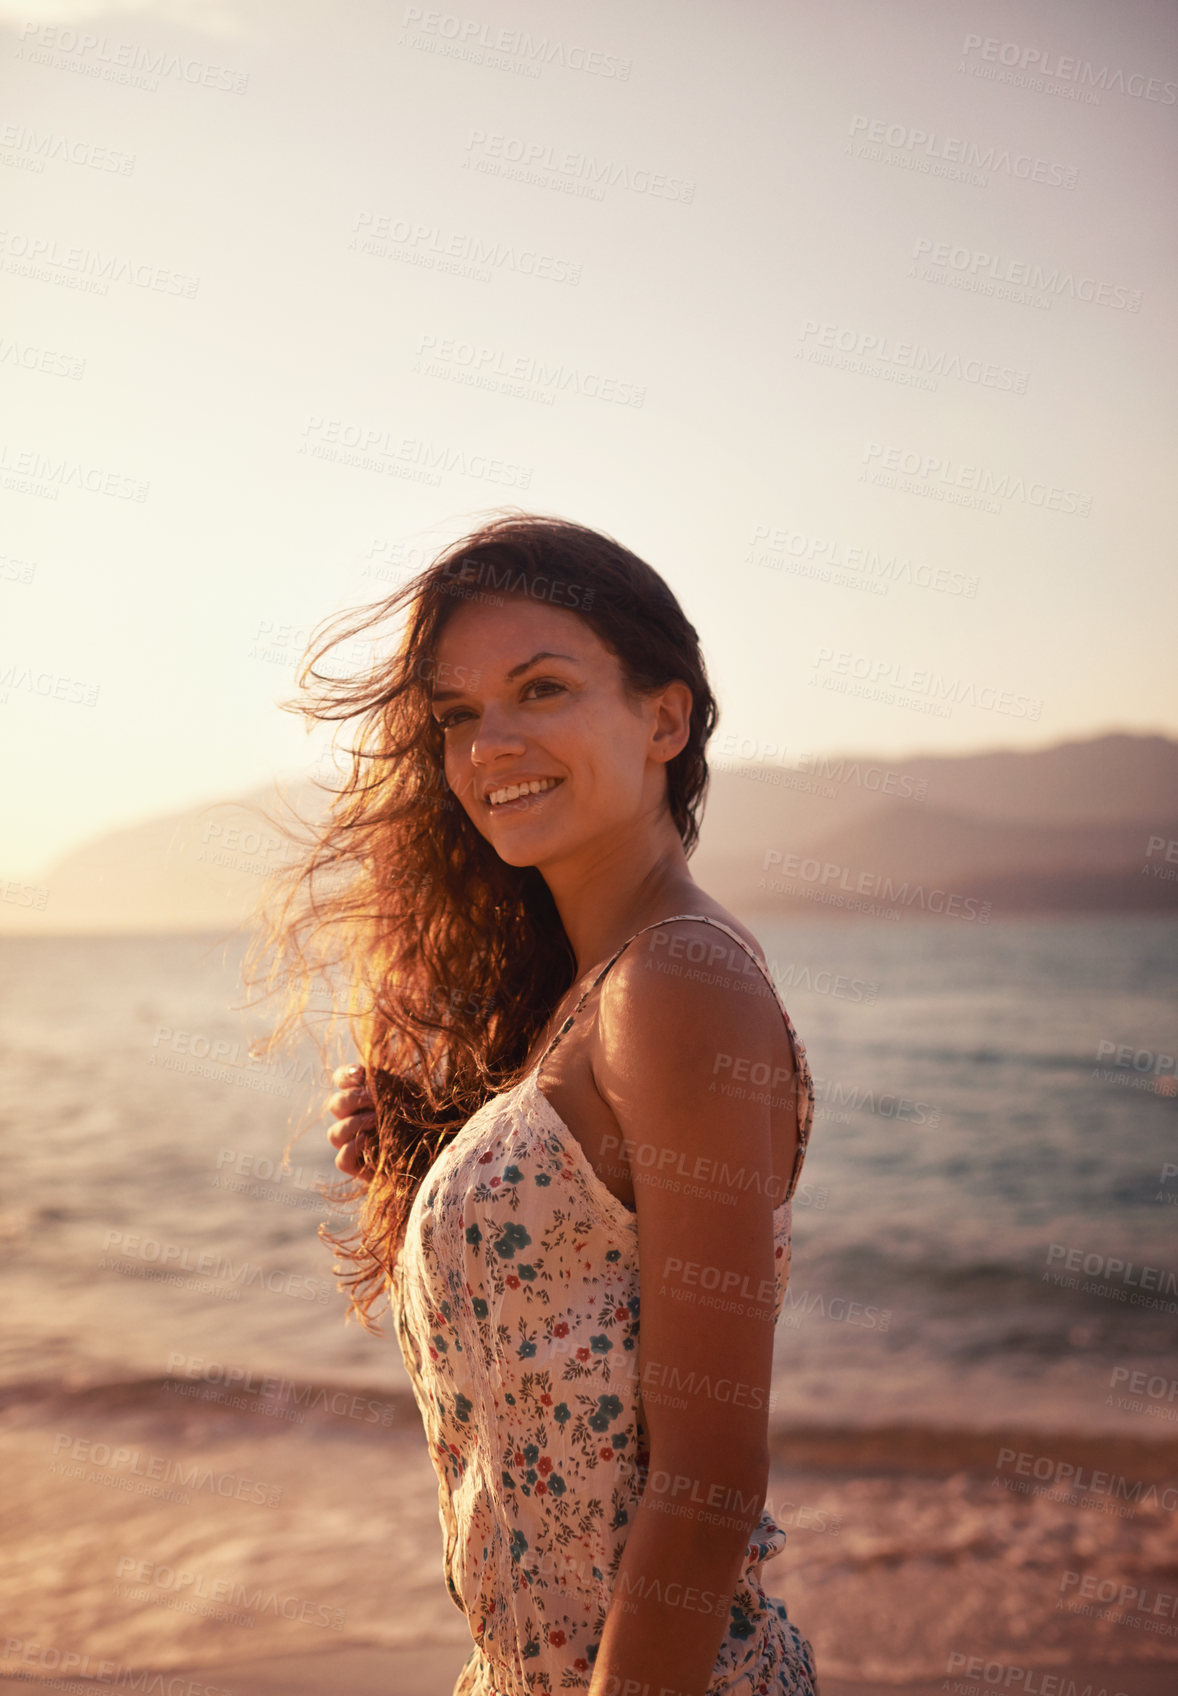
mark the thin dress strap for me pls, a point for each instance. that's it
(805, 1083)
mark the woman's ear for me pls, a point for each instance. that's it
(672, 726)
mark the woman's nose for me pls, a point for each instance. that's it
(494, 735)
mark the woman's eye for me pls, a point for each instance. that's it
(446, 721)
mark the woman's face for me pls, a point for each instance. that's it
(529, 693)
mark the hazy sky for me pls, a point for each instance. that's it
(881, 290)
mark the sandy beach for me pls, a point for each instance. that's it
(374, 1672)
(153, 1533)
(979, 1495)
(748, 423)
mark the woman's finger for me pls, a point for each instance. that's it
(351, 1162)
(347, 1130)
(344, 1077)
(347, 1101)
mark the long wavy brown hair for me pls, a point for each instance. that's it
(450, 960)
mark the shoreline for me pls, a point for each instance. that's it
(432, 1672)
(203, 1547)
(885, 1449)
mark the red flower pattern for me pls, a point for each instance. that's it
(530, 1547)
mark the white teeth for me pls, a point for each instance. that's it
(515, 790)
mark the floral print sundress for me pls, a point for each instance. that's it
(516, 1304)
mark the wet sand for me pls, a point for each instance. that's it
(226, 1548)
(425, 1672)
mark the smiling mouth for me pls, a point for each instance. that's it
(516, 797)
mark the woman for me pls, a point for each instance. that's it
(562, 1035)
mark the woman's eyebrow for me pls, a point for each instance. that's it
(544, 654)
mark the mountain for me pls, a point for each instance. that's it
(200, 869)
(955, 864)
(1115, 778)
(1083, 826)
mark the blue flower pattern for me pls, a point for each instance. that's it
(526, 1377)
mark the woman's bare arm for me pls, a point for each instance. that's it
(707, 1278)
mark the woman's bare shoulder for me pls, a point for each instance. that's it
(712, 909)
(687, 985)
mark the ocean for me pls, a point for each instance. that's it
(984, 1231)
(205, 1469)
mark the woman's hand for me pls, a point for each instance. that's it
(355, 1134)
